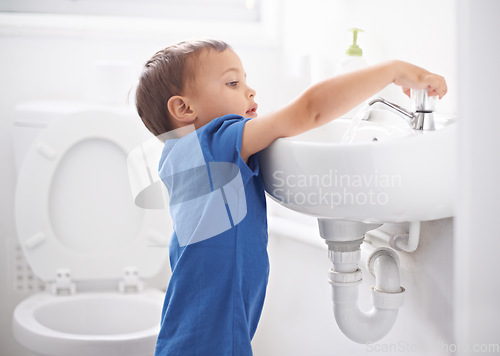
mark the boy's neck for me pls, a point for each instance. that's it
(177, 133)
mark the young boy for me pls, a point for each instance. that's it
(196, 94)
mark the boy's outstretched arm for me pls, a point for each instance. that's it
(331, 98)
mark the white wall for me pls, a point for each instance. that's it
(53, 60)
(477, 287)
(422, 32)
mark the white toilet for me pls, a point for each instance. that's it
(82, 234)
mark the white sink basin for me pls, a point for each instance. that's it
(388, 173)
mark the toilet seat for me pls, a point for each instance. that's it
(91, 256)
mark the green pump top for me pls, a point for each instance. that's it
(354, 49)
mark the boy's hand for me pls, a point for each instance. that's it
(410, 76)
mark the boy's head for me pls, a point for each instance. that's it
(192, 83)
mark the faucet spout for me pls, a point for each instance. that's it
(408, 114)
(419, 120)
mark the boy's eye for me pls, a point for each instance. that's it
(232, 84)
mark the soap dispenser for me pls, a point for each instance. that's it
(353, 59)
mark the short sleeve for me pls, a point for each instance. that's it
(221, 142)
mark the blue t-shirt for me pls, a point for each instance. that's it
(218, 251)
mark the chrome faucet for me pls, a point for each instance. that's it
(422, 117)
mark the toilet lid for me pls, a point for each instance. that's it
(74, 208)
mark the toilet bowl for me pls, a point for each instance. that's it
(89, 323)
(82, 234)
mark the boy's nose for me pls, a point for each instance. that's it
(251, 92)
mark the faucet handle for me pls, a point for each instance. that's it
(421, 101)
(423, 106)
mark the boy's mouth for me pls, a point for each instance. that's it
(253, 110)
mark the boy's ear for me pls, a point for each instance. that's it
(178, 107)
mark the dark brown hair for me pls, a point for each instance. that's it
(164, 76)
